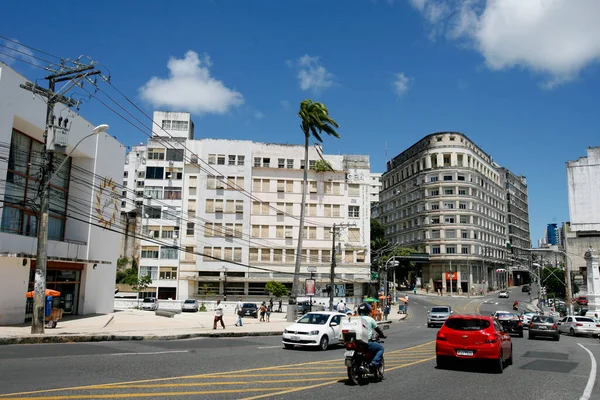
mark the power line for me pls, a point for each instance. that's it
(30, 47)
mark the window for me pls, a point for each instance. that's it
(435, 206)
(257, 162)
(266, 162)
(447, 177)
(168, 273)
(265, 255)
(190, 229)
(436, 250)
(231, 160)
(281, 163)
(210, 206)
(192, 190)
(448, 205)
(241, 159)
(174, 154)
(179, 125)
(353, 234)
(152, 272)
(332, 188)
(149, 252)
(464, 219)
(460, 177)
(311, 164)
(435, 192)
(290, 163)
(152, 212)
(261, 185)
(277, 255)
(212, 159)
(448, 191)
(462, 205)
(464, 234)
(353, 190)
(155, 172)
(166, 124)
(168, 232)
(464, 250)
(174, 173)
(353, 211)
(156, 154)
(435, 220)
(433, 179)
(221, 159)
(435, 234)
(172, 193)
(450, 250)
(154, 192)
(462, 191)
(450, 234)
(449, 220)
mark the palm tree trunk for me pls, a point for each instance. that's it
(296, 284)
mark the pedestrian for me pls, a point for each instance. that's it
(218, 315)
(386, 312)
(269, 307)
(341, 307)
(280, 302)
(406, 305)
(414, 289)
(239, 310)
(263, 311)
(271, 303)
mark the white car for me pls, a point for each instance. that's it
(526, 318)
(150, 304)
(503, 294)
(320, 329)
(575, 325)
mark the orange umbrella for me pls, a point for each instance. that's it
(404, 300)
(49, 292)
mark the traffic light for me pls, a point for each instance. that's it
(374, 275)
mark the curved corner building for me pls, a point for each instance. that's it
(446, 197)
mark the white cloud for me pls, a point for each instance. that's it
(258, 115)
(14, 51)
(311, 74)
(401, 83)
(285, 104)
(190, 87)
(557, 38)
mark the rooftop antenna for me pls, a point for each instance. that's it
(386, 156)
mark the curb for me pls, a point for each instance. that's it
(116, 338)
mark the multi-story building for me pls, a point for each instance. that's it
(375, 188)
(232, 207)
(519, 238)
(552, 234)
(82, 254)
(446, 197)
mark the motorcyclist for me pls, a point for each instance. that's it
(364, 310)
(516, 305)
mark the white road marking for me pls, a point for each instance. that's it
(150, 353)
(269, 347)
(587, 393)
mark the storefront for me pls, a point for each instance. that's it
(63, 277)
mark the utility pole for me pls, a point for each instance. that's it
(74, 75)
(333, 262)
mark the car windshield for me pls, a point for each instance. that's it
(471, 324)
(542, 319)
(148, 300)
(249, 305)
(439, 309)
(189, 301)
(584, 319)
(314, 319)
(506, 316)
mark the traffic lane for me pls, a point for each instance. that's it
(541, 370)
(254, 382)
(97, 363)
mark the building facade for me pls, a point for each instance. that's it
(446, 197)
(552, 234)
(82, 254)
(375, 189)
(223, 215)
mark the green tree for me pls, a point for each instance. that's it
(323, 166)
(377, 236)
(315, 120)
(554, 281)
(277, 289)
(128, 276)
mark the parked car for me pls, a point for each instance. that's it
(304, 307)
(473, 337)
(314, 329)
(582, 301)
(250, 310)
(438, 315)
(574, 325)
(150, 304)
(526, 288)
(511, 322)
(542, 325)
(190, 305)
(503, 294)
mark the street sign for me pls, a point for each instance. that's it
(311, 269)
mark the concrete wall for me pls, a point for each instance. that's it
(13, 286)
(583, 179)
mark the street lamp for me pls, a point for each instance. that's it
(39, 297)
(567, 273)
(396, 263)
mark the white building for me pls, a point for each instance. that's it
(375, 186)
(232, 206)
(81, 254)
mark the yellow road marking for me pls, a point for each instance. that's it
(155, 394)
(192, 384)
(409, 350)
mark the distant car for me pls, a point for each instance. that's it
(574, 325)
(190, 305)
(150, 304)
(526, 318)
(503, 294)
(250, 310)
(542, 325)
(526, 288)
(473, 337)
(511, 322)
(304, 307)
(314, 329)
(582, 301)
(438, 315)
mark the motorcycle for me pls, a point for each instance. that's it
(358, 360)
(516, 307)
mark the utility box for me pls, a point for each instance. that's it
(58, 139)
(354, 329)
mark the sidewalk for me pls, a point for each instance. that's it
(145, 325)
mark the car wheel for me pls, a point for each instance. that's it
(530, 337)
(556, 338)
(521, 334)
(324, 343)
(572, 332)
(429, 325)
(441, 362)
(499, 364)
(288, 346)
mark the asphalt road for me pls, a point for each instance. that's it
(258, 367)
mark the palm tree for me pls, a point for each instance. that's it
(315, 120)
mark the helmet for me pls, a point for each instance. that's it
(364, 309)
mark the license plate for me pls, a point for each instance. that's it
(295, 338)
(348, 362)
(466, 353)
(349, 353)
(542, 328)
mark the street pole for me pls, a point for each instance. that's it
(332, 271)
(470, 278)
(450, 277)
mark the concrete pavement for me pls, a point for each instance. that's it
(145, 325)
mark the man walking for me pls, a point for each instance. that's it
(239, 310)
(218, 315)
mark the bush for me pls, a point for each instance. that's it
(202, 308)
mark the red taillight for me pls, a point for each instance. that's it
(520, 323)
(597, 325)
(441, 336)
(531, 325)
(579, 324)
(351, 345)
(491, 339)
(553, 326)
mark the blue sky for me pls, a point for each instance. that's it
(520, 78)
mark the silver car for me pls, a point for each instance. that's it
(190, 305)
(574, 325)
(542, 325)
(150, 304)
(438, 315)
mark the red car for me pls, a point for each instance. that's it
(582, 301)
(473, 337)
